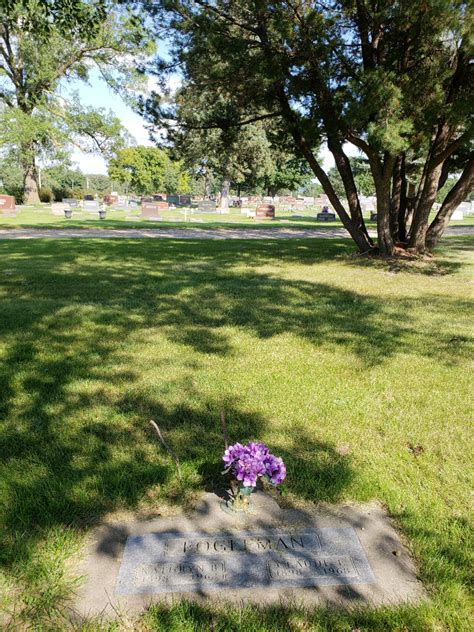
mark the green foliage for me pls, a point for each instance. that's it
(393, 78)
(241, 154)
(56, 41)
(289, 173)
(313, 189)
(95, 129)
(66, 16)
(445, 189)
(11, 177)
(98, 183)
(362, 177)
(64, 181)
(45, 194)
(147, 170)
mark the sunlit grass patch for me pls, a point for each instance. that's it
(339, 364)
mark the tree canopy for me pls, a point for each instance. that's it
(393, 79)
(43, 47)
(147, 170)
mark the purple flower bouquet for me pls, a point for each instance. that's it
(249, 462)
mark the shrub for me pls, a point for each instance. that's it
(18, 193)
(45, 194)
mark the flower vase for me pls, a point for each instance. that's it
(240, 500)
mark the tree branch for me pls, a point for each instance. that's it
(453, 199)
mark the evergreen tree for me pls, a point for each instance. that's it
(392, 78)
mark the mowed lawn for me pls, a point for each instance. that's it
(355, 371)
(41, 216)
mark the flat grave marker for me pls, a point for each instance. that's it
(339, 555)
(160, 563)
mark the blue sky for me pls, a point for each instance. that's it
(98, 94)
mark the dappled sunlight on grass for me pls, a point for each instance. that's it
(304, 347)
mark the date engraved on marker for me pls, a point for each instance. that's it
(340, 566)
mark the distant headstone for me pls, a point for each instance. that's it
(89, 197)
(7, 203)
(111, 199)
(322, 200)
(265, 211)
(466, 207)
(150, 210)
(173, 199)
(457, 215)
(373, 216)
(58, 208)
(71, 202)
(90, 205)
(185, 200)
(326, 215)
(133, 203)
(206, 206)
(157, 197)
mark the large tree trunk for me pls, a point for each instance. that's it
(396, 201)
(454, 198)
(358, 234)
(30, 175)
(428, 189)
(382, 178)
(384, 234)
(419, 227)
(403, 211)
(225, 187)
(411, 202)
(345, 171)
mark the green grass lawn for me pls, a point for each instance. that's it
(307, 348)
(40, 216)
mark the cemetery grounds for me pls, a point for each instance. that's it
(356, 372)
(40, 216)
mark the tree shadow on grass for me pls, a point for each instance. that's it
(444, 262)
(200, 617)
(72, 454)
(194, 291)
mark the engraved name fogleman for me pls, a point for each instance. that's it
(253, 544)
(309, 567)
(198, 561)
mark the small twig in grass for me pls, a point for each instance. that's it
(173, 455)
(224, 429)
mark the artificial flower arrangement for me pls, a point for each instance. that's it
(247, 463)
